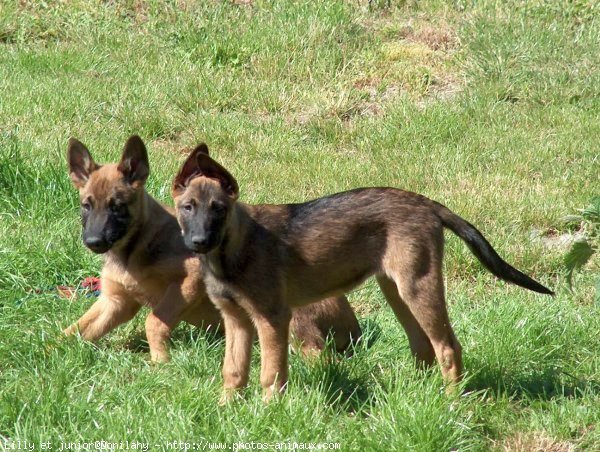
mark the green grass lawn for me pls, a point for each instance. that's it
(492, 108)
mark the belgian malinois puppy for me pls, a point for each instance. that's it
(146, 262)
(267, 259)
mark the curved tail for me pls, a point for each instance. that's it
(482, 249)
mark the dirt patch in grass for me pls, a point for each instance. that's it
(533, 442)
(440, 37)
(407, 57)
(243, 2)
(414, 57)
(179, 142)
(554, 239)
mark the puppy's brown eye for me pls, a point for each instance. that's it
(86, 206)
(187, 207)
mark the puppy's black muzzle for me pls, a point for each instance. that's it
(201, 244)
(97, 244)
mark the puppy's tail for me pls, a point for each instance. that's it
(482, 249)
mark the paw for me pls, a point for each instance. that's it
(229, 395)
(273, 392)
(71, 330)
(159, 357)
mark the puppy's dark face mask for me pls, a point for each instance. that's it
(110, 195)
(205, 194)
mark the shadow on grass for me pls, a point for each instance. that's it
(332, 371)
(341, 376)
(548, 383)
(186, 337)
(347, 392)
(371, 332)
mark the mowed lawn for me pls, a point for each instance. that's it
(492, 108)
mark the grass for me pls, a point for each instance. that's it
(489, 107)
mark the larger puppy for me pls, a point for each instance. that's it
(266, 259)
(146, 262)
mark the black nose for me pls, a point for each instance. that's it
(200, 241)
(201, 244)
(96, 244)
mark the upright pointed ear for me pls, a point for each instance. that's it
(134, 163)
(202, 148)
(81, 163)
(210, 168)
(188, 170)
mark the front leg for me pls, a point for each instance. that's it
(165, 316)
(273, 335)
(239, 334)
(113, 308)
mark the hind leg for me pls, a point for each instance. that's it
(418, 340)
(314, 323)
(417, 272)
(425, 300)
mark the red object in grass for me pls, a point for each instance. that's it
(91, 283)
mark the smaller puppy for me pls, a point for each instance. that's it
(146, 262)
(266, 259)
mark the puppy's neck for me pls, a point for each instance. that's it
(222, 260)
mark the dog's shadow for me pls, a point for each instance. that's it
(343, 389)
(348, 390)
(545, 384)
(186, 336)
(341, 376)
(332, 372)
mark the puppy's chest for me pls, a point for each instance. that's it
(221, 292)
(145, 288)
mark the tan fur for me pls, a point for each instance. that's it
(264, 260)
(150, 266)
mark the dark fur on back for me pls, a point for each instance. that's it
(261, 260)
(369, 205)
(296, 231)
